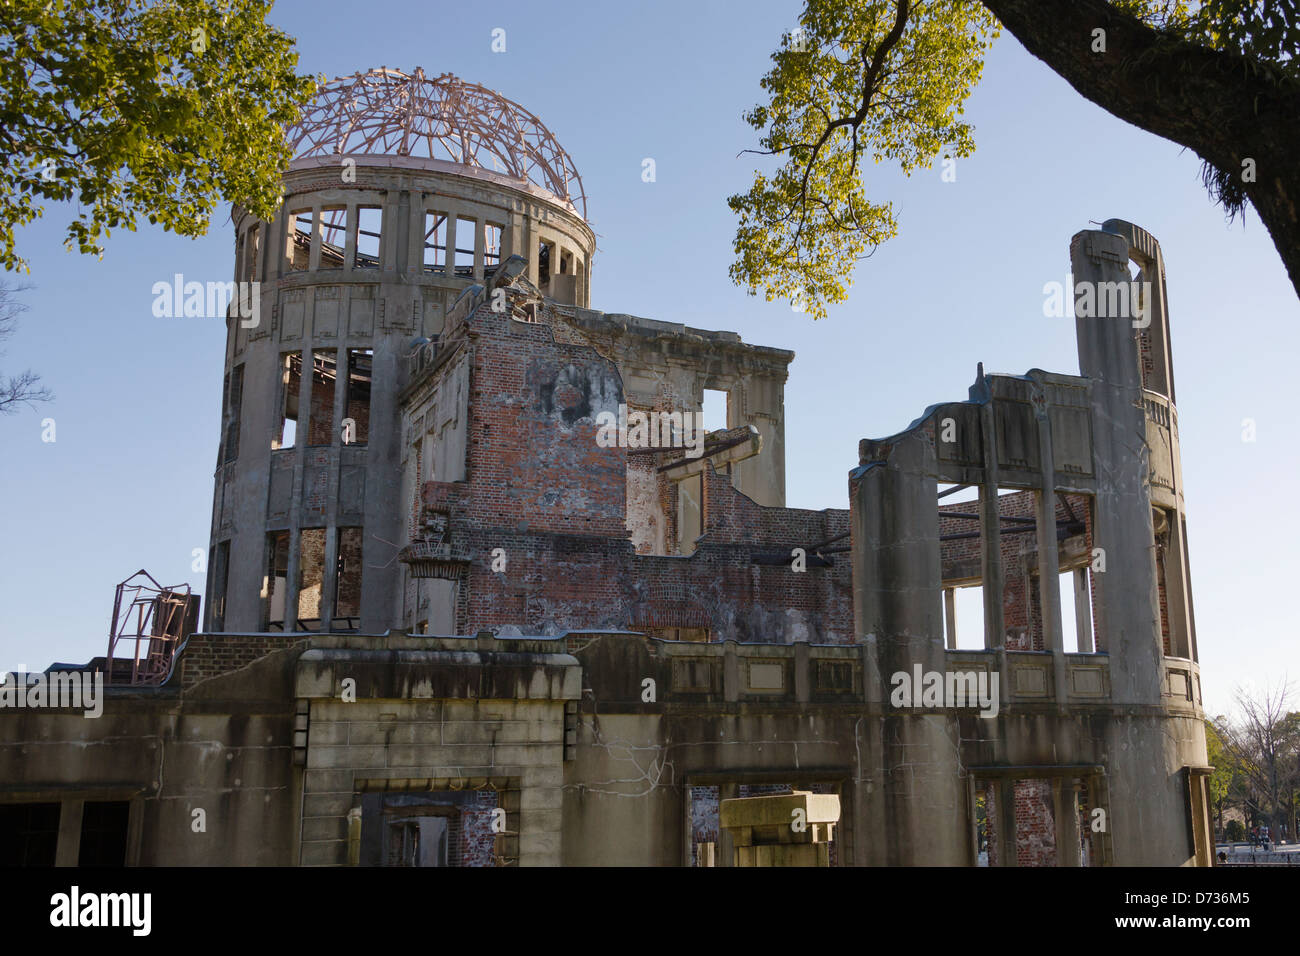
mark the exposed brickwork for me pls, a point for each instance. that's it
(1035, 823)
(540, 487)
(477, 841)
(210, 655)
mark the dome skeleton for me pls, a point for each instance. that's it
(388, 112)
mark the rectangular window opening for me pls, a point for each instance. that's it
(356, 426)
(253, 248)
(466, 230)
(275, 587)
(370, 221)
(297, 253)
(29, 833)
(715, 410)
(347, 582)
(333, 239)
(964, 627)
(103, 833)
(492, 234)
(234, 406)
(311, 578)
(545, 258)
(323, 373)
(291, 390)
(220, 578)
(435, 241)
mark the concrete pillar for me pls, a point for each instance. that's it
(897, 598)
(1127, 592)
(68, 850)
(990, 536)
(350, 239)
(950, 616)
(1065, 812)
(1005, 790)
(726, 855)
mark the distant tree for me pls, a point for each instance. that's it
(129, 108)
(24, 388)
(1220, 782)
(1264, 742)
(1235, 831)
(887, 81)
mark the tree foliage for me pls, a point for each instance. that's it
(887, 80)
(154, 108)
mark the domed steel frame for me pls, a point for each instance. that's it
(387, 112)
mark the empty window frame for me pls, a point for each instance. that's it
(333, 239)
(715, 410)
(234, 405)
(347, 581)
(252, 252)
(963, 617)
(370, 221)
(275, 588)
(356, 425)
(220, 578)
(435, 241)
(29, 833)
(545, 260)
(1076, 609)
(311, 578)
(103, 833)
(290, 391)
(466, 239)
(323, 374)
(297, 247)
(492, 234)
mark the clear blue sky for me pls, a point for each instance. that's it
(128, 483)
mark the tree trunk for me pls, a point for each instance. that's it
(1224, 107)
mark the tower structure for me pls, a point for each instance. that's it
(404, 191)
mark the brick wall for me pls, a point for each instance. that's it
(541, 488)
(209, 655)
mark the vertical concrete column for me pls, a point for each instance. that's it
(990, 535)
(1127, 591)
(802, 672)
(354, 833)
(480, 229)
(450, 253)
(730, 672)
(726, 855)
(350, 237)
(1049, 566)
(68, 849)
(950, 616)
(415, 235)
(1005, 794)
(317, 237)
(1065, 814)
(394, 242)
(897, 598)
(528, 232)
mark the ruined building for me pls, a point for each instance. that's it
(453, 616)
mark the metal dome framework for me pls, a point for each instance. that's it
(388, 112)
